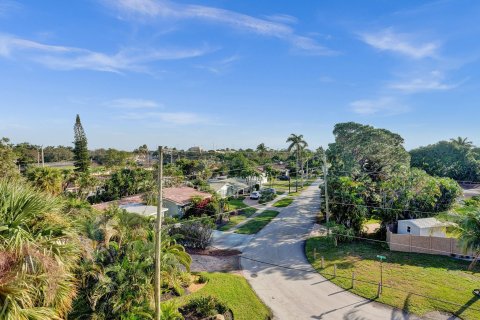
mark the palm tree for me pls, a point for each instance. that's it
(38, 253)
(469, 227)
(46, 179)
(297, 144)
(462, 142)
(262, 150)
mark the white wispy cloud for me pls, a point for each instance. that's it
(172, 118)
(220, 66)
(433, 81)
(162, 9)
(70, 58)
(384, 105)
(401, 43)
(127, 103)
(7, 6)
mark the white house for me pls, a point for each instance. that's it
(423, 227)
(225, 187)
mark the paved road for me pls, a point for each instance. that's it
(301, 295)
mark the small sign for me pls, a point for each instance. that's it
(382, 257)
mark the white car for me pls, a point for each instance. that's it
(255, 195)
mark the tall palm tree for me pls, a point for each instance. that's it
(462, 142)
(38, 253)
(297, 144)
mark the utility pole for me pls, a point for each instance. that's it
(43, 158)
(158, 237)
(325, 175)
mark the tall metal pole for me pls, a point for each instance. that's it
(158, 237)
(325, 178)
(43, 158)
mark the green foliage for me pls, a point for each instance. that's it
(448, 159)
(340, 234)
(194, 233)
(205, 306)
(127, 182)
(8, 160)
(116, 276)
(38, 253)
(370, 175)
(469, 227)
(267, 197)
(46, 179)
(58, 154)
(80, 150)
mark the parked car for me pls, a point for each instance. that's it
(255, 195)
(284, 178)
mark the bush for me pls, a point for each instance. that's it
(195, 233)
(202, 279)
(204, 307)
(340, 233)
(267, 197)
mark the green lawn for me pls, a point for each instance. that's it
(282, 186)
(235, 204)
(235, 291)
(439, 277)
(257, 223)
(285, 202)
(234, 220)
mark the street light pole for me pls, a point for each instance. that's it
(158, 237)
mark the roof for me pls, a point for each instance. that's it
(135, 199)
(141, 209)
(183, 195)
(425, 223)
(218, 184)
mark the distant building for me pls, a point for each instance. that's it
(195, 150)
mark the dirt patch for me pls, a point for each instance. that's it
(194, 287)
(215, 260)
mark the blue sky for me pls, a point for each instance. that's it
(237, 73)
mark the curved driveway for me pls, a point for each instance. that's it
(293, 294)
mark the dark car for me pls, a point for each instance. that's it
(284, 178)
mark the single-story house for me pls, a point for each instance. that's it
(423, 227)
(177, 200)
(227, 187)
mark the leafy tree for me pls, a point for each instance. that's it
(127, 182)
(370, 175)
(8, 159)
(38, 253)
(297, 144)
(455, 160)
(58, 154)
(80, 150)
(27, 153)
(271, 173)
(46, 179)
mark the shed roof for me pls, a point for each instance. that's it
(426, 223)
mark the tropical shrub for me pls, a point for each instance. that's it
(204, 306)
(195, 233)
(38, 254)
